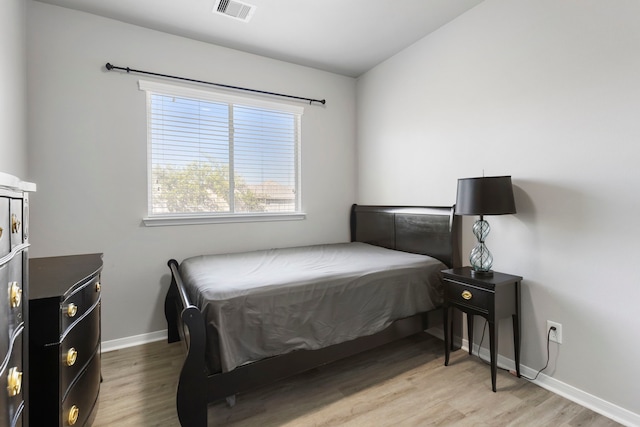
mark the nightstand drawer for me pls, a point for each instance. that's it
(469, 296)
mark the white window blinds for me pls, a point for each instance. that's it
(211, 153)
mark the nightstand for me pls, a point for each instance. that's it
(492, 297)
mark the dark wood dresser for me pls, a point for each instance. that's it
(14, 259)
(64, 341)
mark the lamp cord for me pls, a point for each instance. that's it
(484, 329)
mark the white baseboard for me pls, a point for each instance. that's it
(596, 404)
(121, 343)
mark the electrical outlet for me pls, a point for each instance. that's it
(555, 336)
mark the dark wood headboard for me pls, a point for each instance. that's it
(433, 231)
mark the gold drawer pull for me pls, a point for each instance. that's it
(15, 294)
(72, 355)
(73, 415)
(98, 286)
(15, 223)
(71, 310)
(0, 231)
(467, 295)
(14, 382)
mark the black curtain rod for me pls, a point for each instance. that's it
(131, 70)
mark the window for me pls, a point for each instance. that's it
(214, 156)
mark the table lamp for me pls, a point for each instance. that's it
(491, 195)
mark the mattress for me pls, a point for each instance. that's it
(265, 303)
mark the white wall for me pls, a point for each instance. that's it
(13, 110)
(546, 91)
(88, 155)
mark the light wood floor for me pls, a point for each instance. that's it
(401, 384)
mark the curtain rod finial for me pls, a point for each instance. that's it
(109, 66)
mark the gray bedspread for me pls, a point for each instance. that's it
(271, 302)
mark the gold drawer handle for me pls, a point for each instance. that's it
(73, 415)
(0, 231)
(14, 382)
(15, 223)
(72, 355)
(15, 294)
(72, 309)
(467, 295)
(98, 287)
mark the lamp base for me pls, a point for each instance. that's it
(480, 257)
(481, 274)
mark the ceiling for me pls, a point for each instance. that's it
(347, 37)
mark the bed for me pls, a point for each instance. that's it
(252, 318)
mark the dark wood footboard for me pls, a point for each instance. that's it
(185, 322)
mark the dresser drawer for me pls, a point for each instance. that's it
(15, 222)
(11, 299)
(469, 296)
(12, 419)
(78, 347)
(5, 227)
(79, 302)
(80, 403)
(17, 417)
(11, 382)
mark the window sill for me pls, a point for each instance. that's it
(159, 221)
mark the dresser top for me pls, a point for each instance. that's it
(12, 182)
(58, 276)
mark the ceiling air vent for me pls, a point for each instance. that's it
(234, 9)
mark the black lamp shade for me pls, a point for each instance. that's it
(491, 195)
